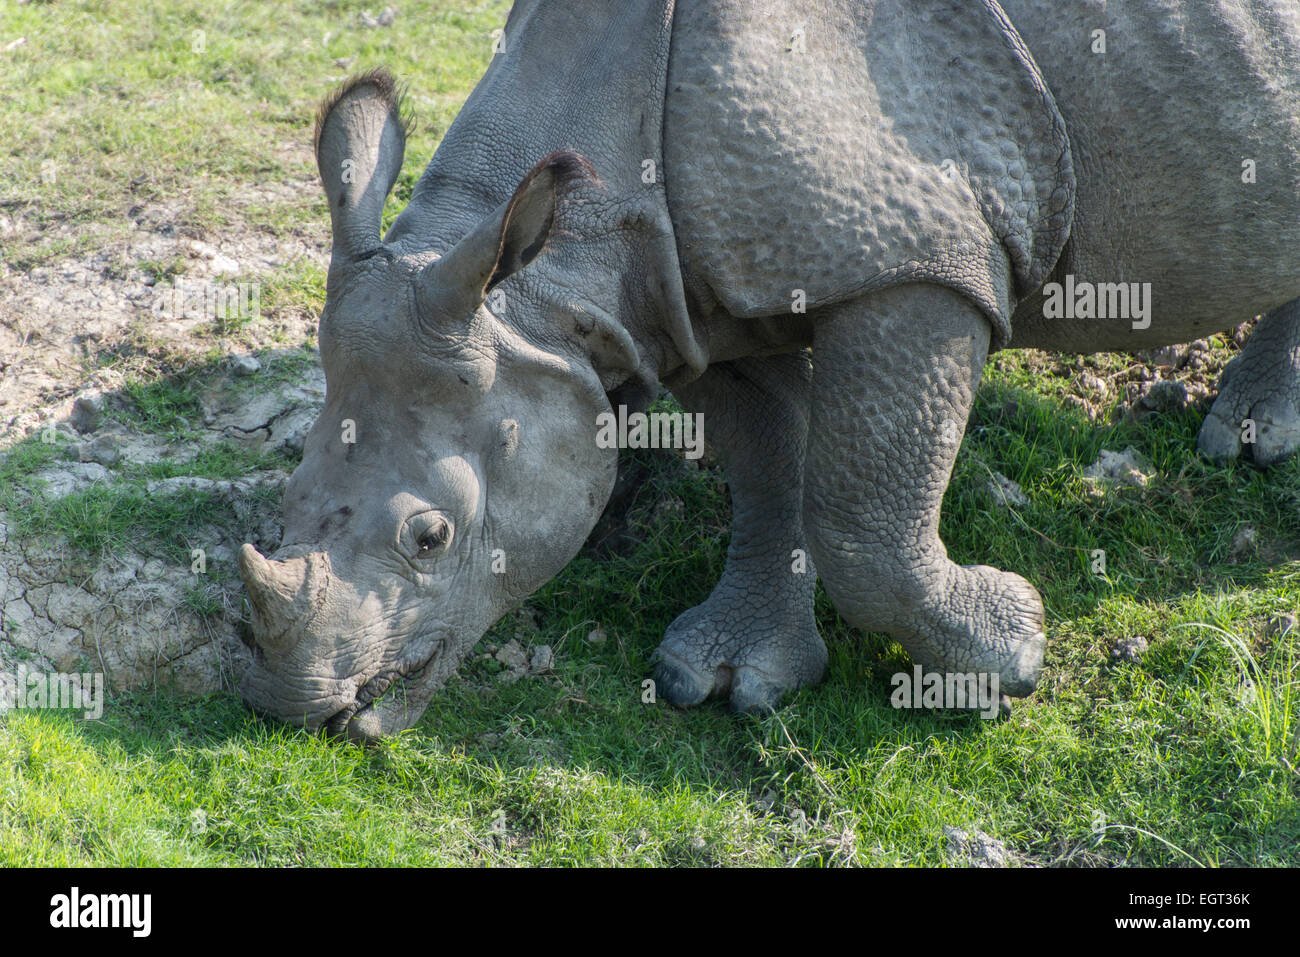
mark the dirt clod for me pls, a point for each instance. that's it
(1129, 648)
(1244, 543)
(1120, 468)
(1004, 491)
(515, 659)
(541, 660)
(977, 849)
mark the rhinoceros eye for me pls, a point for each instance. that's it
(425, 535)
(431, 540)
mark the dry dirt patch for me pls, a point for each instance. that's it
(72, 334)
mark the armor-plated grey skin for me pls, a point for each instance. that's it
(646, 192)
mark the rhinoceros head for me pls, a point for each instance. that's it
(454, 467)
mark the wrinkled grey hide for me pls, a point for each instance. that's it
(637, 194)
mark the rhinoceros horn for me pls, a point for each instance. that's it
(283, 594)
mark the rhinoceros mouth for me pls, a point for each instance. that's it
(361, 720)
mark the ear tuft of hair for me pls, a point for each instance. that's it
(389, 91)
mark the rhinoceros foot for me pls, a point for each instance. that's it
(729, 647)
(1265, 409)
(1257, 413)
(983, 621)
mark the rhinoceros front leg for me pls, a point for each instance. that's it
(1262, 385)
(754, 638)
(894, 377)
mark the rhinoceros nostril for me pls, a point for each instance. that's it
(336, 726)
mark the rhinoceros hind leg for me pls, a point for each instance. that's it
(894, 377)
(754, 638)
(1263, 385)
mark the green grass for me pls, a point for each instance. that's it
(107, 518)
(111, 106)
(1171, 760)
(164, 406)
(298, 288)
(1187, 756)
(104, 518)
(19, 461)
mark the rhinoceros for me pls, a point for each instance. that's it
(812, 222)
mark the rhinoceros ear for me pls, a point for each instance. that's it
(507, 240)
(360, 141)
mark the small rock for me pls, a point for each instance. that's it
(515, 659)
(245, 365)
(385, 19)
(182, 483)
(225, 266)
(597, 636)
(296, 438)
(1094, 383)
(1004, 491)
(60, 483)
(1243, 543)
(542, 660)
(1129, 648)
(1169, 356)
(1125, 468)
(981, 849)
(1164, 395)
(218, 262)
(104, 449)
(86, 411)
